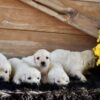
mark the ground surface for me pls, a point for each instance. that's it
(74, 91)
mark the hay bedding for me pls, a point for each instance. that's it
(74, 91)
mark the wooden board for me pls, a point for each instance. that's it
(73, 17)
(91, 9)
(22, 43)
(23, 30)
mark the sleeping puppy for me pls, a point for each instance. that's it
(5, 68)
(40, 60)
(74, 63)
(22, 73)
(57, 75)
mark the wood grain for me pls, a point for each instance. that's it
(28, 41)
(89, 0)
(71, 16)
(87, 8)
(91, 9)
(29, 19)
(23, 29)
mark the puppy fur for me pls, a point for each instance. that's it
(5, 68)
(40, 60)
(57, 75)
(24, 73)
(74, 63)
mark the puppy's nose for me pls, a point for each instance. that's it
(1, 79)
(43, 63)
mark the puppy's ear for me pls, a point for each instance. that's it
(29, 60)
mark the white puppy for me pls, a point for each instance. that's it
(5, 68)
(24, 73)
(40, 60)
(57, 75)
(74, 63)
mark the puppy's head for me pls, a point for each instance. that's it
(32, 76)
(58, 78)
(88, 58)
(5, 72)
(42, 59)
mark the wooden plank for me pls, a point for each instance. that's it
(24, 48)
(22, 18)
(22, 43)
(87, 8)
(89, 0)
(71, 16)
(29, 19)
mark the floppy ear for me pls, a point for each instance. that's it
(29, 60)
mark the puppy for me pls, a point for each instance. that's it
(5, 68)
(24, 73)
(57, 75)
(74, 63)
(40, 60)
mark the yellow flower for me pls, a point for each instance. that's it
(98, 40)
(98, 62)
(97, 50)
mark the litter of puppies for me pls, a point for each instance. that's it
(54, 67)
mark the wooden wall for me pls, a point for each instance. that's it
(24, 29)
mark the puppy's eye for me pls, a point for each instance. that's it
(38, 78)
(38, 58)
(29, 78)
(58, 81)
(47, 57)
(6, 71)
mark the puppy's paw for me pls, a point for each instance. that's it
(83, 79)
(16, 81)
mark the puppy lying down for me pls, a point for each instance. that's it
(57, 75)
(24, 73)
(5, 68)
(74, 63)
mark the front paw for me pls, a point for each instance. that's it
(17, 82)
(83, 79)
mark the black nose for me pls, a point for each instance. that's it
(1, 79)
(43, 63)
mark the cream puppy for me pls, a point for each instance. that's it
(57, 75)
(24, 73)
(41, 61)
(5, 68)
(74, 63)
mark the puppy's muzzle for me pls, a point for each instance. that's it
(43, 64)
(1, 79)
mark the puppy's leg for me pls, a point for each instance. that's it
(80, 76)
(16, 80)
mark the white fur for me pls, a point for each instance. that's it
(74, 63)
(57, 75)
(22, 72)
(5, 68)
(43, 55)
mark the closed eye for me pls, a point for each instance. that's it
(47, 57)
(6, 71)
(38, 78)
(58, 81)
(29, 78)
(38, 58)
